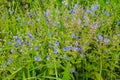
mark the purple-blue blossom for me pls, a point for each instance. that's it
(22, 43)
(100, 37)
(36, 47)
(106, 40)
(30, 36)
(28, 43)
(9, 62)
(94, 7)
(67, 57)
(55, 51)
(95, 27)
(107, 13)
(66, 48)
(16, 45)
(37, 58)
(56, 43)
(72, 71)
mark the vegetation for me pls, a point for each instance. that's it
(60, 40)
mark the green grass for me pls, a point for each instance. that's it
(60, 40)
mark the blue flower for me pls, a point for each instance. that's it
(28, 42)
(90, 11)
(22, 43)
(66, 4)
(36, 47)
(77, 43)
(18, 18)
(72, 71)
(18, 39)
(73, 35)
(94, 7)
(47, 12)
(30, 36)
(100, 37)
(56, 43)
(95, 27)
(80, 49)
(75, 48)
(9, 62)
(106, 40)
(107, 13)
(9, 42)
(55, 51)
(16, 45)
(67, 57)
(107, 2)
(118, 22)
(66, 48)
(37, 58)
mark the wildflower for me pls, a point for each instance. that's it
(22, 43)
(72, 71)
(103, 21)
(11, 11)
(67, 57)
(89, 11)
(95, 27)
(107, 13)
(55, 51)
(107, 2)
(16, 45)
(18, 18)
(9, 62)
(30, 36)
(36, 47)
(118, 22)
(56, 43)
(94, 7)
(75, 48)
(85, 17)
(100, 37)
(76, 37)
(66, 4)
(18, 39)
(47, 12)
(28, 42)
(73, 35)
(9, 42)
(80, 49)
(66, 48)
(37, 58)
(106, 40)
(77, 43)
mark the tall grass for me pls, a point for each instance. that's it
(60, 40)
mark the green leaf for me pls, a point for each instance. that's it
(98, 76)
(66, 75)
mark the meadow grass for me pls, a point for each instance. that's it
(60, 40)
